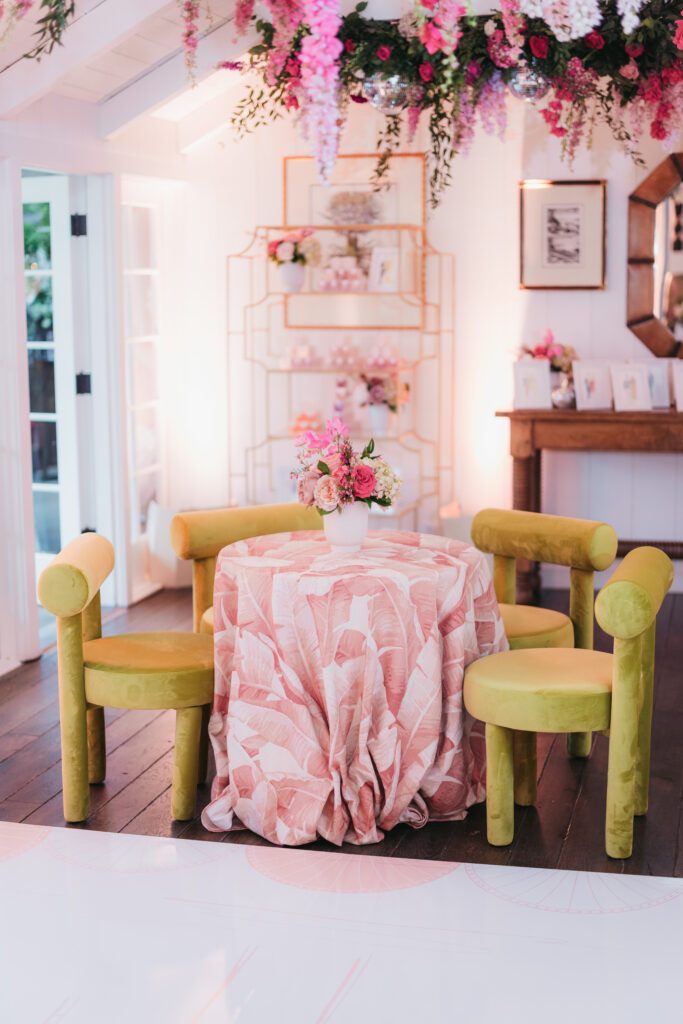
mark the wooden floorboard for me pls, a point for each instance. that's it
(565, 829)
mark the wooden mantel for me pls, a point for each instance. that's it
(567, 430)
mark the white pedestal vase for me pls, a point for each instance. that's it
(346, 530)
(292, 276)
(381, 420)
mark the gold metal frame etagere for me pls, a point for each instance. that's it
(259, 319)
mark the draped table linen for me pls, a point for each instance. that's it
(338, 705)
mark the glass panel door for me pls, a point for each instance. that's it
(47, 275)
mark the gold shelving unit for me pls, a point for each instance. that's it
(265, 395)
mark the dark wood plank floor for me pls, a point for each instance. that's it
(564, 829)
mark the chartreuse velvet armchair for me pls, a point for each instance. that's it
(584, 546)
(134, 670)
(564, 690)
(201, 535)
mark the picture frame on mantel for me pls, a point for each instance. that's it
(562, 234)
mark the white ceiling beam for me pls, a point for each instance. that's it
(93, 33)
(169, 77)
(209, 119)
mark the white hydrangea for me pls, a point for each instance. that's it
(630, 14)
(388, 483)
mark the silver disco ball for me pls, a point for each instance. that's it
(387, 94)
(527, 84)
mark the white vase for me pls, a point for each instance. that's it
(381, 419)
(292, 275)
(346, 530)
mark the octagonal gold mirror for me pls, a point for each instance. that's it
(654, 293)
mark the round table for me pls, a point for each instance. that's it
(338, 705)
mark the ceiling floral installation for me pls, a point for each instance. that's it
(581, 62)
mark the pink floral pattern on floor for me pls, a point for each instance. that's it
(338, 706)
(343, 872)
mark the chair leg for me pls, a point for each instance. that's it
(526, 772)
(204, 745)
(97, 750)
(621, 769)
(72, 720)
(188, 724)
(642, 781)
(500, 806)
(579, 743)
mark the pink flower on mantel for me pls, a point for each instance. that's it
(326, 494)
(364, 481)
(305, 486)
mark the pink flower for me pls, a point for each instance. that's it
(539, 46)
(377, 394)
(305, 486)
(657, 130)
(431, 38)
(384, 52)
(426, 72)
(336, 426)
(540, 352)
(326, 494)
(678, 37)
(272, 247)
(472, 73)
(285, 252)
(594, 40)
(630, 70)
(548, 337)
(349, 45)
(634, 49)
(333, 461)
(363, 481)
(292, 103)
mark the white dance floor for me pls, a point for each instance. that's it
(98, 928)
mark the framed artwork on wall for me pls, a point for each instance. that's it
(532, 384)
(631, 388)
(562, 234)
(384, 264)
(592, 385)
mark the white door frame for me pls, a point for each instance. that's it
(55, 191)
(19, 640)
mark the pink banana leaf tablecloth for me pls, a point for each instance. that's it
(338, 706)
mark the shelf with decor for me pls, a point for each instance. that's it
(282, 346)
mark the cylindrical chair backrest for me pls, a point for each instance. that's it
(559, 540)
(632, 596)
(203, 534)
(74, 576)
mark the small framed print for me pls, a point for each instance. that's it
(532, 384)
(631, 388)
(677, 381)
(592, 385)
(657, 372)
(384, 264)
(562, 234)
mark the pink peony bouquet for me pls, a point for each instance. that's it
(295, 247)
(559, 356)
(382, 390)
(331, 474)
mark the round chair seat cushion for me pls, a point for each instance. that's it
(149, 670)
(549, 689)
(526, 626)
(206, 625)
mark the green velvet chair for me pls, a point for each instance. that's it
(201, 535)
(582, 545)
(560, 690)
(134, 670)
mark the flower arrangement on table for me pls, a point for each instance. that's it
(379, 390)
(295, 247)
(560, 357)
(332, 475)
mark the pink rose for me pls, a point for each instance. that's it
(285, 252)
(326, 494)
(332, 461)
(305, 486)
(432, 39)
(377, 394)
(594, 40)
(272, 247)
(384, 52)
(539, 46)
(426, 72)
(630, 70)
(634, 49)
(363, 481)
